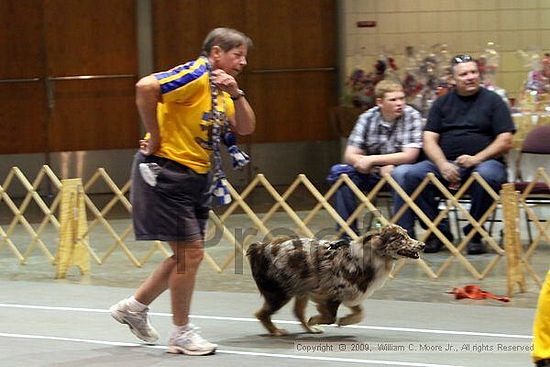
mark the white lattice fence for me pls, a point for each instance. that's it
(222, 224)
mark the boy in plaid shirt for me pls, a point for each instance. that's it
(386, 139)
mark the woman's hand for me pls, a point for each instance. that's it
(225, 82)
(149, 146)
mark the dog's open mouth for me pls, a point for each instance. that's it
(408, 253)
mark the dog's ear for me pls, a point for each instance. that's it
(389, 227)
(379, 229)
(373, 240)
(383, 236)
(393, 233)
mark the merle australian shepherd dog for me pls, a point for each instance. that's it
(329, 273)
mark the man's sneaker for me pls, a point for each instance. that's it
(191, 343)
(137, 321)
(476, 248)
(434, 244)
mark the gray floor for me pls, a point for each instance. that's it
(60, 324)
(47, 322)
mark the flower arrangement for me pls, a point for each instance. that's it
(425, 77)
(360, 84)
(535, 96)
(488, 64)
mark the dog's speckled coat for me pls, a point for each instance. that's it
(329, 273)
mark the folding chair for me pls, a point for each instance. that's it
(466, 202)
(533, 191)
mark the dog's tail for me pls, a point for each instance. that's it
(255, 256)
(253, 250)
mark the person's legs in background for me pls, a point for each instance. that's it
(426, 201)
(407, 219)
(494, 173)
(345, 200)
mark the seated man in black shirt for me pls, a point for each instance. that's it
(468, 130)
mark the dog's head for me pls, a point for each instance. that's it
(392, 241)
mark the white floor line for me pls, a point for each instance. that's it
(235, 352)
(247, 319)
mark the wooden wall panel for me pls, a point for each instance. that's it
(92, 37)
(287, 34)
(21, 39)
(22, 104)
(181, 25)
(98, 37)
(290, 106)
(87, 37)
(292, 33)
(94, 114)
(58, 38)
(22, 118)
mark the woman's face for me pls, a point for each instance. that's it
(232, 61)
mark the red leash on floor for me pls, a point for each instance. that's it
(475, 292)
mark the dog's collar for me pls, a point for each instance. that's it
(337, 244)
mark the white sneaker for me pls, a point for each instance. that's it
(137, 321)
(191, 343)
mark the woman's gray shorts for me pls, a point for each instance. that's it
(170, 201)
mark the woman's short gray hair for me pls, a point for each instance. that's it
(226, 39)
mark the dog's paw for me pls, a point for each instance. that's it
(342, 322)
(316, 320)
(279, 332)
(316, 329)
(348, 320)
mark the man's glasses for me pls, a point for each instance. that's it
(459, 59)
